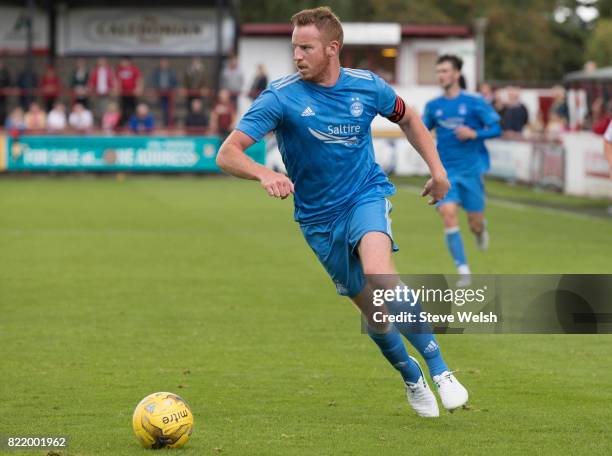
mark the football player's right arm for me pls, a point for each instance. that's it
(264, 115)
(232, 159)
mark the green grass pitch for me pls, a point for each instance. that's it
(114, 289)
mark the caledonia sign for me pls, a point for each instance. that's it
(159, 31)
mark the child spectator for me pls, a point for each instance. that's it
(35, 118)
(80, 118)
(15, 122)
(56, 120)
(197, 118)
(111, 118)
(142, 120)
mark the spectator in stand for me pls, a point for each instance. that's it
(224, 114)
(196, 81)
(142, 120)
(558, 115)
(498, 103)
(129, 81)
(515, 116)
(56, 119)
(5, 83)
(232, 79)
(260, 82)
(81, 118)
(486, 91)
(197, 118)
(164, 81)
(78, 82)
(111, 118)
(50, 87)
(35, 118)
(15, 122)
(559, 105)
(600, 116)
(27, 82)
(102, 84)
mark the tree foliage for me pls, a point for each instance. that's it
(524, 41)
(600, 45)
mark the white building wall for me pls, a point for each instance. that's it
(463, 47)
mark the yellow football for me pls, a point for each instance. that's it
(162, 420)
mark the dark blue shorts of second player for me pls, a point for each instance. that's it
(466, 190)
(335, 243)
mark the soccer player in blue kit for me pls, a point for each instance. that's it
(462, 122)
(321, 116)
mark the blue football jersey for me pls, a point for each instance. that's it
(324, 137)
(446, 114)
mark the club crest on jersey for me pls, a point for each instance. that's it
(439, 113)
(356, 107)
(462, 110)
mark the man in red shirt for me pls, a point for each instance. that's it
(102, 85)
(129, 81)
(50, 87)
(223, 117)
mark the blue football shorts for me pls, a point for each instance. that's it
(335, 243)
(466, 190)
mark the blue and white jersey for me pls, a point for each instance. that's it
(324, 137)
(465, 110)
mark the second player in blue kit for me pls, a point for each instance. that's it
(462, 123)
(321, 116)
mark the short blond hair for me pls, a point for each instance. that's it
(324, 19)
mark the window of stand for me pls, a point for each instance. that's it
(381, 60)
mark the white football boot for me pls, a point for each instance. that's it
(452, 393)
(421, 398)
(482, 238)
(465, 276)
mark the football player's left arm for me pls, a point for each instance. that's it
(419, 136)
(393, 107)
(490, 121)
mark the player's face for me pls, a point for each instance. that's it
(447, 75)
(309, 52)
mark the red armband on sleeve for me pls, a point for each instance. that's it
(398, 111)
